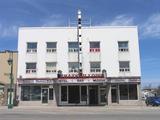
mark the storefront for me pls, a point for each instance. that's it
(36, 92)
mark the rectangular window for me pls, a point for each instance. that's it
(31, 68)
(94, 46)
(51, 67)
(63, 93)
(30, 93)
(133, 92)
(124, 66)
(83, 93)
(123, 92)
(73, 46)
(51, 94)
(128, 92)
(103, 94)
(123, 46)
(73, 67)
(31, 47)
(95, 67)
(51, 47)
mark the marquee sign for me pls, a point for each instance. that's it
(35, 82)
(89, 80)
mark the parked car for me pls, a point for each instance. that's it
(154, 101)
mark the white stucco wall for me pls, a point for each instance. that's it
(109, 55)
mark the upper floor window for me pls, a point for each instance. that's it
(51, 67)
(95, 67)
(124, 66)
(73, 67)
(94, 46)
(73, 46)
(123, 46)
(31, 47)
(31, 68)
(51, 47)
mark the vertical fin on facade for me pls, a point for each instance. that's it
(79, 35)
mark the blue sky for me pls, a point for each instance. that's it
(143, 13)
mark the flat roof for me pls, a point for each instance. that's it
(85, 27)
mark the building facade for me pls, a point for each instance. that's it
(5, 71)
(45, 51)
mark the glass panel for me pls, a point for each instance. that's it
(103, 95)
(25, 93)
(123, 44)
(32, 45)
(35, 93)
(124, 64)
(94, 44)
(51, 44)
(45, 95)
(51, 96)
(133, 92)
(73, 66)
(30, 65)
(73, 45)
(83, 93)
(63, 93)
(95, 64)
(123, 92)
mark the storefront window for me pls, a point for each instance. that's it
(133, 92)
(128, 92)
(123, 92)
(51, 96)
(83, 93)
(103, 95)
(63, 93)
(31, 93)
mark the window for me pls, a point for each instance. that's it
(128, 92)
(63, 93)
(123, 46)
(103, 94)
(31, 93)
(123, 92)
(94, 46)
(83, 93)
(51, 47)
(31, 47)
(31, 68)
(73, 46)
(51, 95)
(124, 66)
(95, 67)
(73, 67)
(50, 67)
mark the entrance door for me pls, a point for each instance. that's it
(74, 94)
(93, 95)
(114, 94)
(45, 95)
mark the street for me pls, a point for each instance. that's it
(79, 113)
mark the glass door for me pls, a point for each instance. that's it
(44, 95)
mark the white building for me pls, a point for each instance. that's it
(43, 51)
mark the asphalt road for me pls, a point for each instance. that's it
(118, 114)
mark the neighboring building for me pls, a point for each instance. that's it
(4, 73)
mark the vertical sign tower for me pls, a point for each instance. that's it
(79, 38)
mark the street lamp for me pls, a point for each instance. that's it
(10, 63)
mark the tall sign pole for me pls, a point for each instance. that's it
(79, 38)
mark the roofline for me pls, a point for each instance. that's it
(7, 51)
(85, 27)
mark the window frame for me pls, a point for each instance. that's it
(124, 69)
(31, 50)
(123, 49)
(95, 70)
(51, 50)
(94, 49)
(31, 71)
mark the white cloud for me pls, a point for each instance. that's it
(151, 27)
(120, 20)
(53, 20)
(8, 31)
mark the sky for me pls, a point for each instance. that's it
(46, 13)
